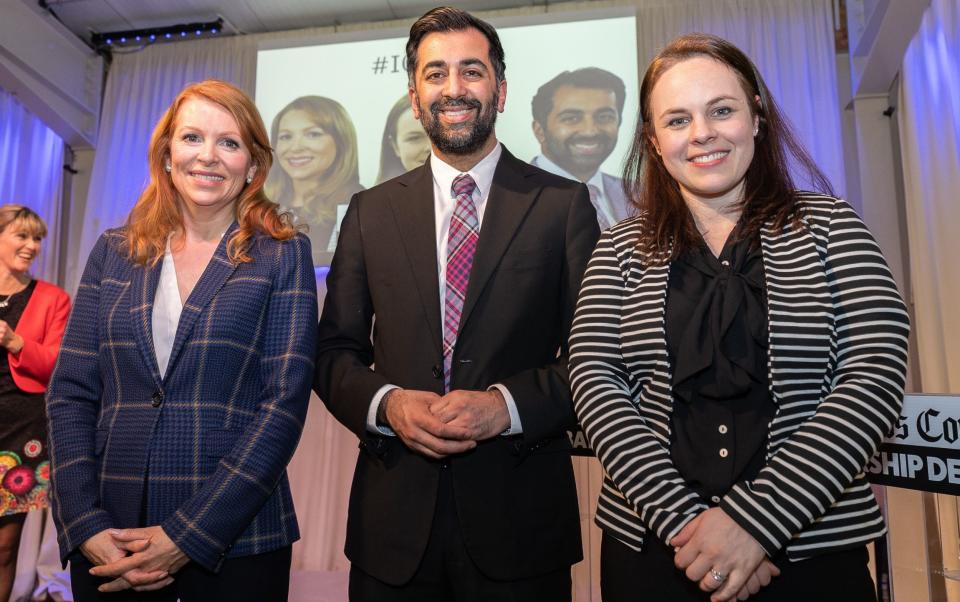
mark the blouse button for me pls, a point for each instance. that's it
(715, 499)
(723, 429)
(723, 452)
(725, 263)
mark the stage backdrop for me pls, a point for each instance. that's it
(367, 78)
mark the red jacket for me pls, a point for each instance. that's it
(41, 326)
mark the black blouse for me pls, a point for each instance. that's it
(716, 331)
(11, 314)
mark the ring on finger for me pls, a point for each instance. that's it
(718, 577)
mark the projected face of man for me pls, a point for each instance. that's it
(456, 96)
(581, 129)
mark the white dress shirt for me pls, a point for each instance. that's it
(443, 205)
(608, 213)
(167, 308)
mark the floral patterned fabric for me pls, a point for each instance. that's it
(24, 465)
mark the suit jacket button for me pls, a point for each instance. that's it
(437, 372)
(157, 399)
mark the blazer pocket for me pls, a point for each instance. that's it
(527, 259)
(217, 443)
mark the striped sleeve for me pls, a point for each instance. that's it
(73, 404)
(633, 456)
(861, 399)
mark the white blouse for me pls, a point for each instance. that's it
(167, 307)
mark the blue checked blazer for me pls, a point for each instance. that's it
(201, 450)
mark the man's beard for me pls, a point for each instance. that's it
(463, 138)
(570, 160)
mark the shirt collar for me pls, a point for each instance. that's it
(482, 172)
(543, 162)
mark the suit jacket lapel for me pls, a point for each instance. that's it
(803, 308)
(511, 196)
(143, 290)
(214, 276)
(413, 211)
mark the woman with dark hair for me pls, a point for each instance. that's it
(738, 351)
(316, 172)
(184, 374)
(33, 315)
(404, 144)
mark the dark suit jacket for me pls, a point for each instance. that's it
(202, 449)
(515, 496)
(41, 326)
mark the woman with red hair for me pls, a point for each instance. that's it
(186, 373)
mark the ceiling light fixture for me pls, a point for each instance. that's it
(139, 37)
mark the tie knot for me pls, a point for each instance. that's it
(464, 185)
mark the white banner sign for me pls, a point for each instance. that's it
(923, 451)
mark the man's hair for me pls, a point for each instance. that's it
(592, 78)
(448, 19)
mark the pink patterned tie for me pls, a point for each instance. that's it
(461, 246)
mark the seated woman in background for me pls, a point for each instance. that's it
(739, 350)
(33, 315)
(404, 144)
(316, 172)
(185, 373)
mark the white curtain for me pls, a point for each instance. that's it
(790, 40)
(929, 121)
(929, 125)
(31, 174)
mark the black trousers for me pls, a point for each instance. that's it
(258, 578)
(447, 573)
(650, 576)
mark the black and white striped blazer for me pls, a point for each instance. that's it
(837, 363)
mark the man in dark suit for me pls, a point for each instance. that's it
(576, 117)
(466, 272)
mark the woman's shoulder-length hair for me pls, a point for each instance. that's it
(390, 164)
(770, 196)
(157, 212)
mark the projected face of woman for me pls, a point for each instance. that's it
(704, 129)
(411, 143)
(305, 150)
